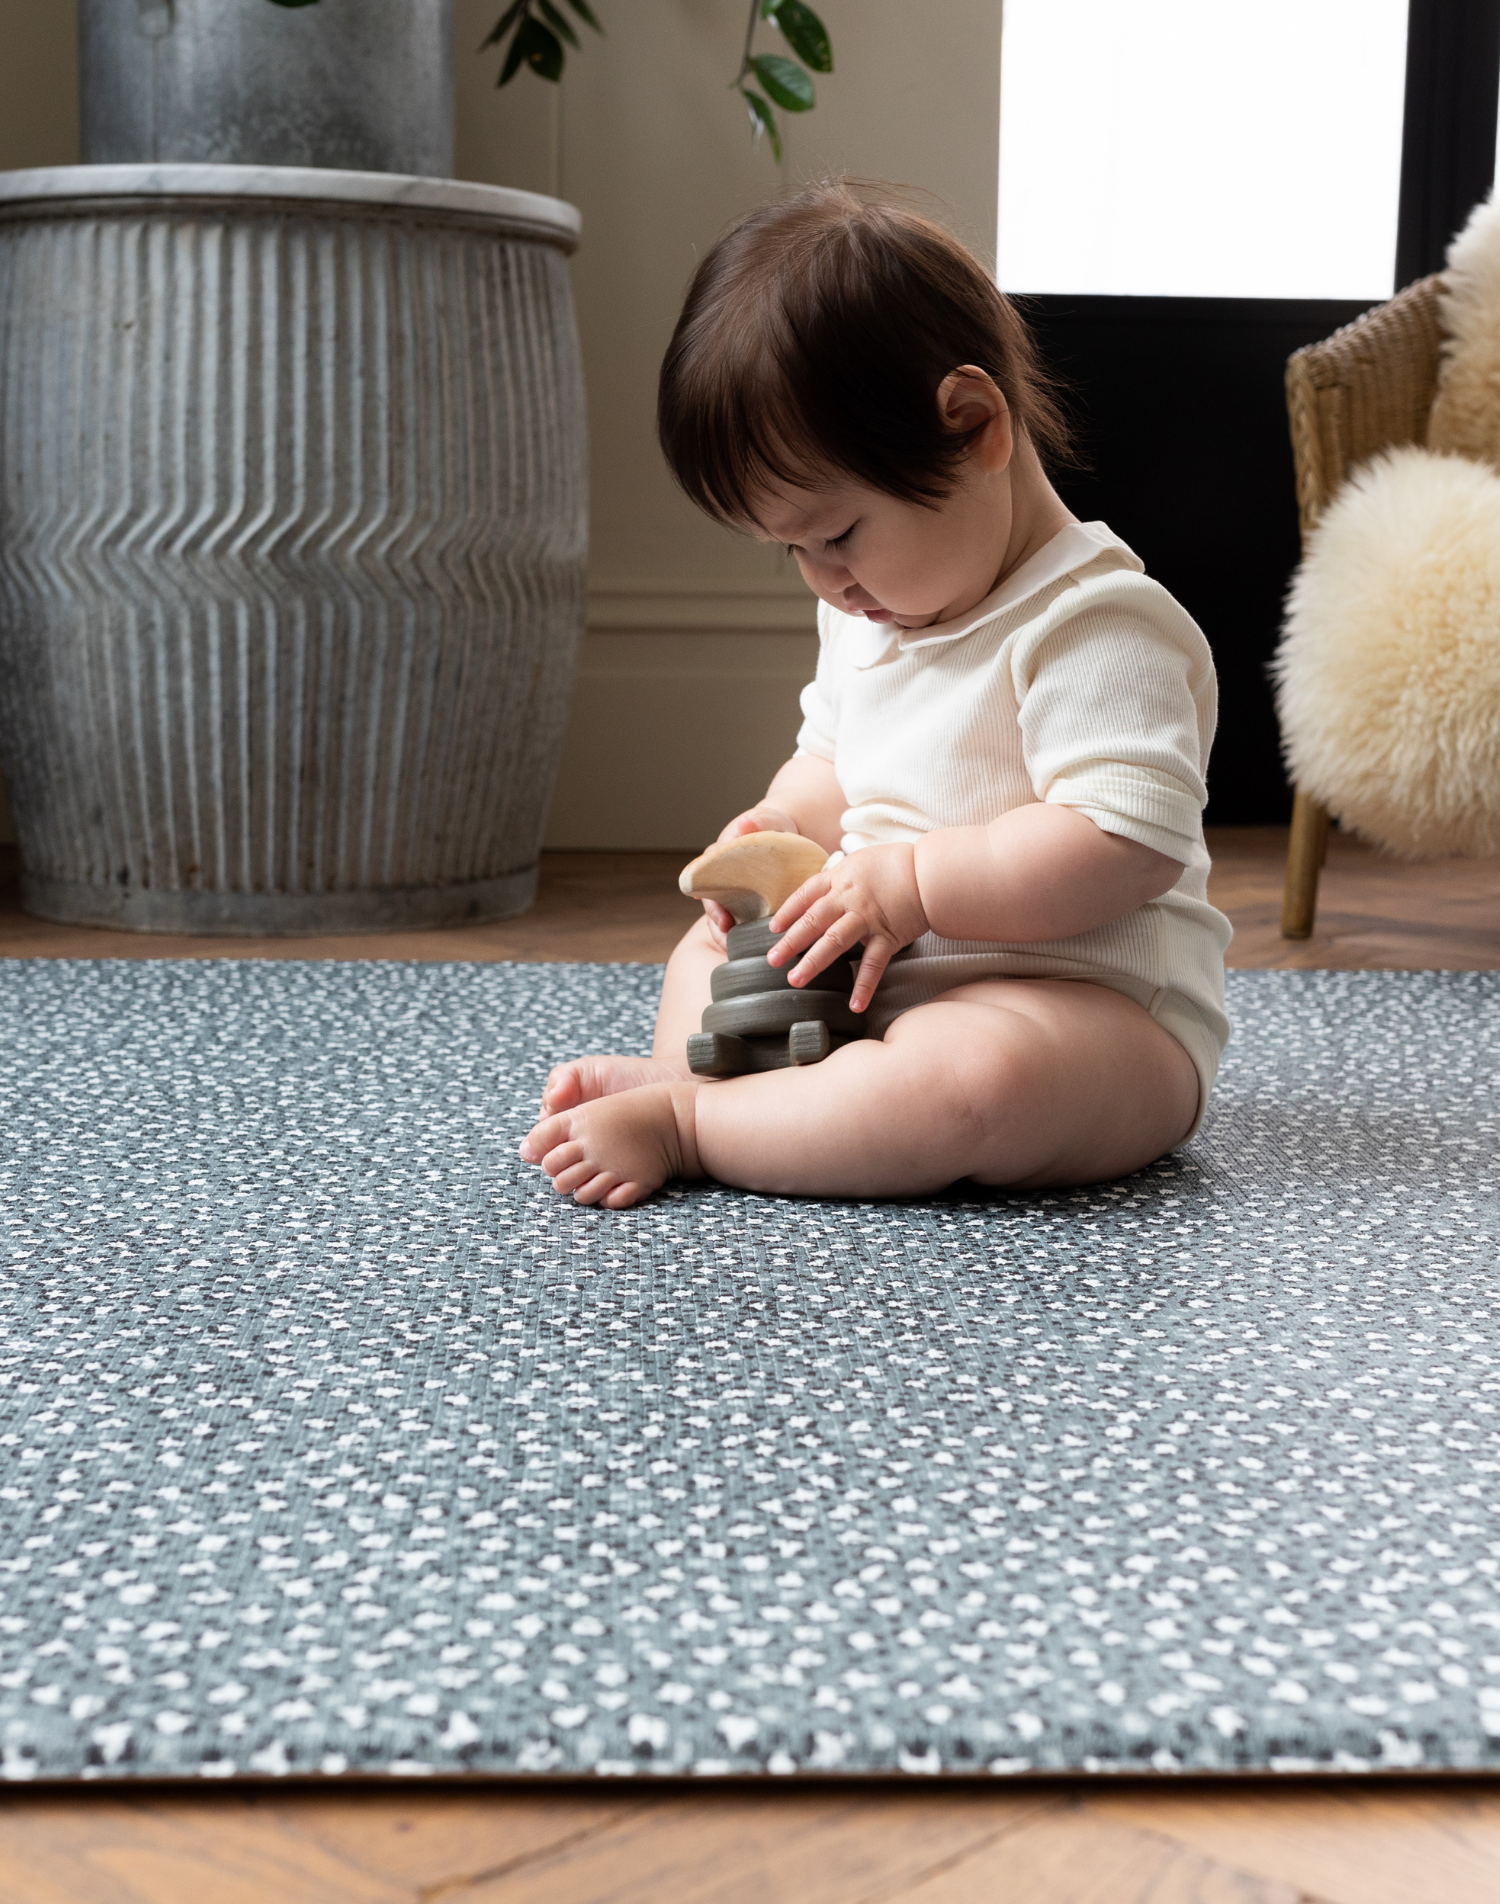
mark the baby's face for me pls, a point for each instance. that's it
(867, 553)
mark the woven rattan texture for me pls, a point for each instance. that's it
(1367, 388)
(334, 1442)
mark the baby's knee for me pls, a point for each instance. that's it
(983, 1067)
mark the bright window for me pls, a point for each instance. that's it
(1197, 148)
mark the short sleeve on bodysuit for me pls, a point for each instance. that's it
(816, 734)
(1117, 712)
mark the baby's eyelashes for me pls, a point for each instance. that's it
(795, 549)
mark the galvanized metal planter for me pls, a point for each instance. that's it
(292, 536)
(365, 85)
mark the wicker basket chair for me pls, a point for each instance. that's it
(1367, 388)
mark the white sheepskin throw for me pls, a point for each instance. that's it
(1465, 415)
(1388, 675)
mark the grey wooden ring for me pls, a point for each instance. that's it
(743, 978)
(769, 1012)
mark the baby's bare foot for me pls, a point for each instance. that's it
(616, 1150)
(582, 1080)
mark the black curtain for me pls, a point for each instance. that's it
(1448, 131)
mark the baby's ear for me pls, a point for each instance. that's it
(969, 400)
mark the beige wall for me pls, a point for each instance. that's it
(698, 640)
(38, 83)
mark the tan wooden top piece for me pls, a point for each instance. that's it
(753, 876)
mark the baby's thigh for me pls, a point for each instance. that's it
(1064, 1081)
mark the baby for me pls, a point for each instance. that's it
(1007, 737)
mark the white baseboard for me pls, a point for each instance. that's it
(624, 605)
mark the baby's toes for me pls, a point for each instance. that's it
(570, 1169)
(543, 1138)
(623, 1196)
(563, 1089)
(597, 1189)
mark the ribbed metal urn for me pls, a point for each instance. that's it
(292, 537)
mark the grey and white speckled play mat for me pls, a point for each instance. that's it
(332, 1441)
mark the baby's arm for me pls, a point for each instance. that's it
(1037, 872)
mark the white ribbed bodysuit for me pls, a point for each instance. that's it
(1078, 681)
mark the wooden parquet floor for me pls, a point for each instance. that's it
(1371, 1841)
(838, 1844)
(1374, 912)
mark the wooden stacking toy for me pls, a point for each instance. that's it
(758, 1021)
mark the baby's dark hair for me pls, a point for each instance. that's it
(813, 341)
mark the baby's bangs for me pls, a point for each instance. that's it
(734, 429)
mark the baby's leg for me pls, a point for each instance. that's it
(684, 993)
(1021, 1081)
(1018, 1081)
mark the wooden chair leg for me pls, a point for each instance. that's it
(1306, 851)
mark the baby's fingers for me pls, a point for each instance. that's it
(878, 955)
(840, 939)
(719, 919)
(797, 918)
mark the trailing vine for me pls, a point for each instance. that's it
(539, 33)
(787, 84)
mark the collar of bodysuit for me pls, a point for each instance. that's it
(1069, 550)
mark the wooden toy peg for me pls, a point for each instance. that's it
(753, 876)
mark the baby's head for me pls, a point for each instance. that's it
(845, 378)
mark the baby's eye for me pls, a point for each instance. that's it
(837, 542)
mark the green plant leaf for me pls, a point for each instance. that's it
(541, 50)
(559, 22)
(785, 81)
(804, 33)
(513, 58)
(585, 13)
(762, 120)
(535, 47)
(502, 26)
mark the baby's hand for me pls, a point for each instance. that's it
(869, 898)
(761, 819)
